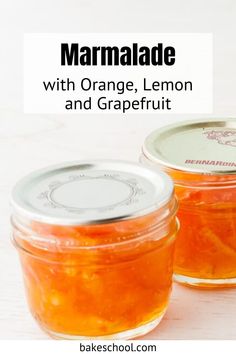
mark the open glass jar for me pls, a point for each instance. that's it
(200, 156)
(96, 242)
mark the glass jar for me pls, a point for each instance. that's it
(200, 156)
(96, 242)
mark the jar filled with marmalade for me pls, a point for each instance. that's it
(96, 242)
(200, 156)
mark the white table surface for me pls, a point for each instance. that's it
(30, 142)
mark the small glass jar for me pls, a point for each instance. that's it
(96, 242)
(200, 156)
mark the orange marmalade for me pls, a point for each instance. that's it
(96, 242)
(200, 156)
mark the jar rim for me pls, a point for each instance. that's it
(139, 236)
(207, 182)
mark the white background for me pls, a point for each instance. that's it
(30, 142)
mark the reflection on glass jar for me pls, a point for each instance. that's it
(103, 271)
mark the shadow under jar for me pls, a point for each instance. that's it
(96, 242)
(200, 156)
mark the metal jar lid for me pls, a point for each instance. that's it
(90, 192)
(199, 146)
